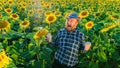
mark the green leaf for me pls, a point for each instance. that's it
(93, 65)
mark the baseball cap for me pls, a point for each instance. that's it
(73, 15)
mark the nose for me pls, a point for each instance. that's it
(68, 22)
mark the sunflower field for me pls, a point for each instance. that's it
(25, 23)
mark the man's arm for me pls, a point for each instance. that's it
(52, 42)
(84, 46)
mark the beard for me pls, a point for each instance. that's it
(69, 28)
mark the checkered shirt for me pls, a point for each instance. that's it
(68, 45)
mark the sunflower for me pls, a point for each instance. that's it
(47, 13)
(40, 10)
(22, 8)
(58, 13)
(7, 7)
(23, 4)
(112, 26)
(8, 10)
(0, 15)
(79, 5)
(45, 3)
(113, 17)
(48, 7)
(10, 2)
(118, 23)
(4, 60)
(53, 11)
(56, 7)
(89, 25)
(24, 24)
(67, 14)
(30, 12)
(14, 16)
(109, 27)
(4, 25)
(83, 14)
(39, 34)
(51, 18)
(104, 30)
(97, 14)
(0, 8)
(0, 3)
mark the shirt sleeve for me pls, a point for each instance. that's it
(54, 43)
(82, 42)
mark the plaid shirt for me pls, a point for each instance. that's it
(68, 45)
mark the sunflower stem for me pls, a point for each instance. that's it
(49, 26)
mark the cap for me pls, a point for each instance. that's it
(73, 15)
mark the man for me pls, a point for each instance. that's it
(69, 42)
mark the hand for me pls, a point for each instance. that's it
(49, 37)
(87, 46)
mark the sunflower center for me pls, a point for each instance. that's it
(57, 13)
(47, 13)
(115, 16)
(22, 9)
(0, 8)
(51, 18)
(8, 10)
(39, 33)
(98, 14)
(14, 16)
(89, 25)
(2, 57)
(84, 13)
(7, 7)
(3, 24)
(24, 23)
(10, 2)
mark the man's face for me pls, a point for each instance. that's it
(71, 24)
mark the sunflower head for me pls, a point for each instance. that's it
(24, 24)
(48, 6)
(9, 11)
(58, 13)
(4, 59)
(83, 14)
(113, 17)
(0, 8)
(39, 34)
(104, 30)
(30, 12)
(89, 25)
(47, 13)
(97, 14)
(4, 25)
(10, 2)
(56, 7)
(14, 16)
(7, 7)
(0, 15)
(51, 18)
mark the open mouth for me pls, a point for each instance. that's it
(68, 26)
